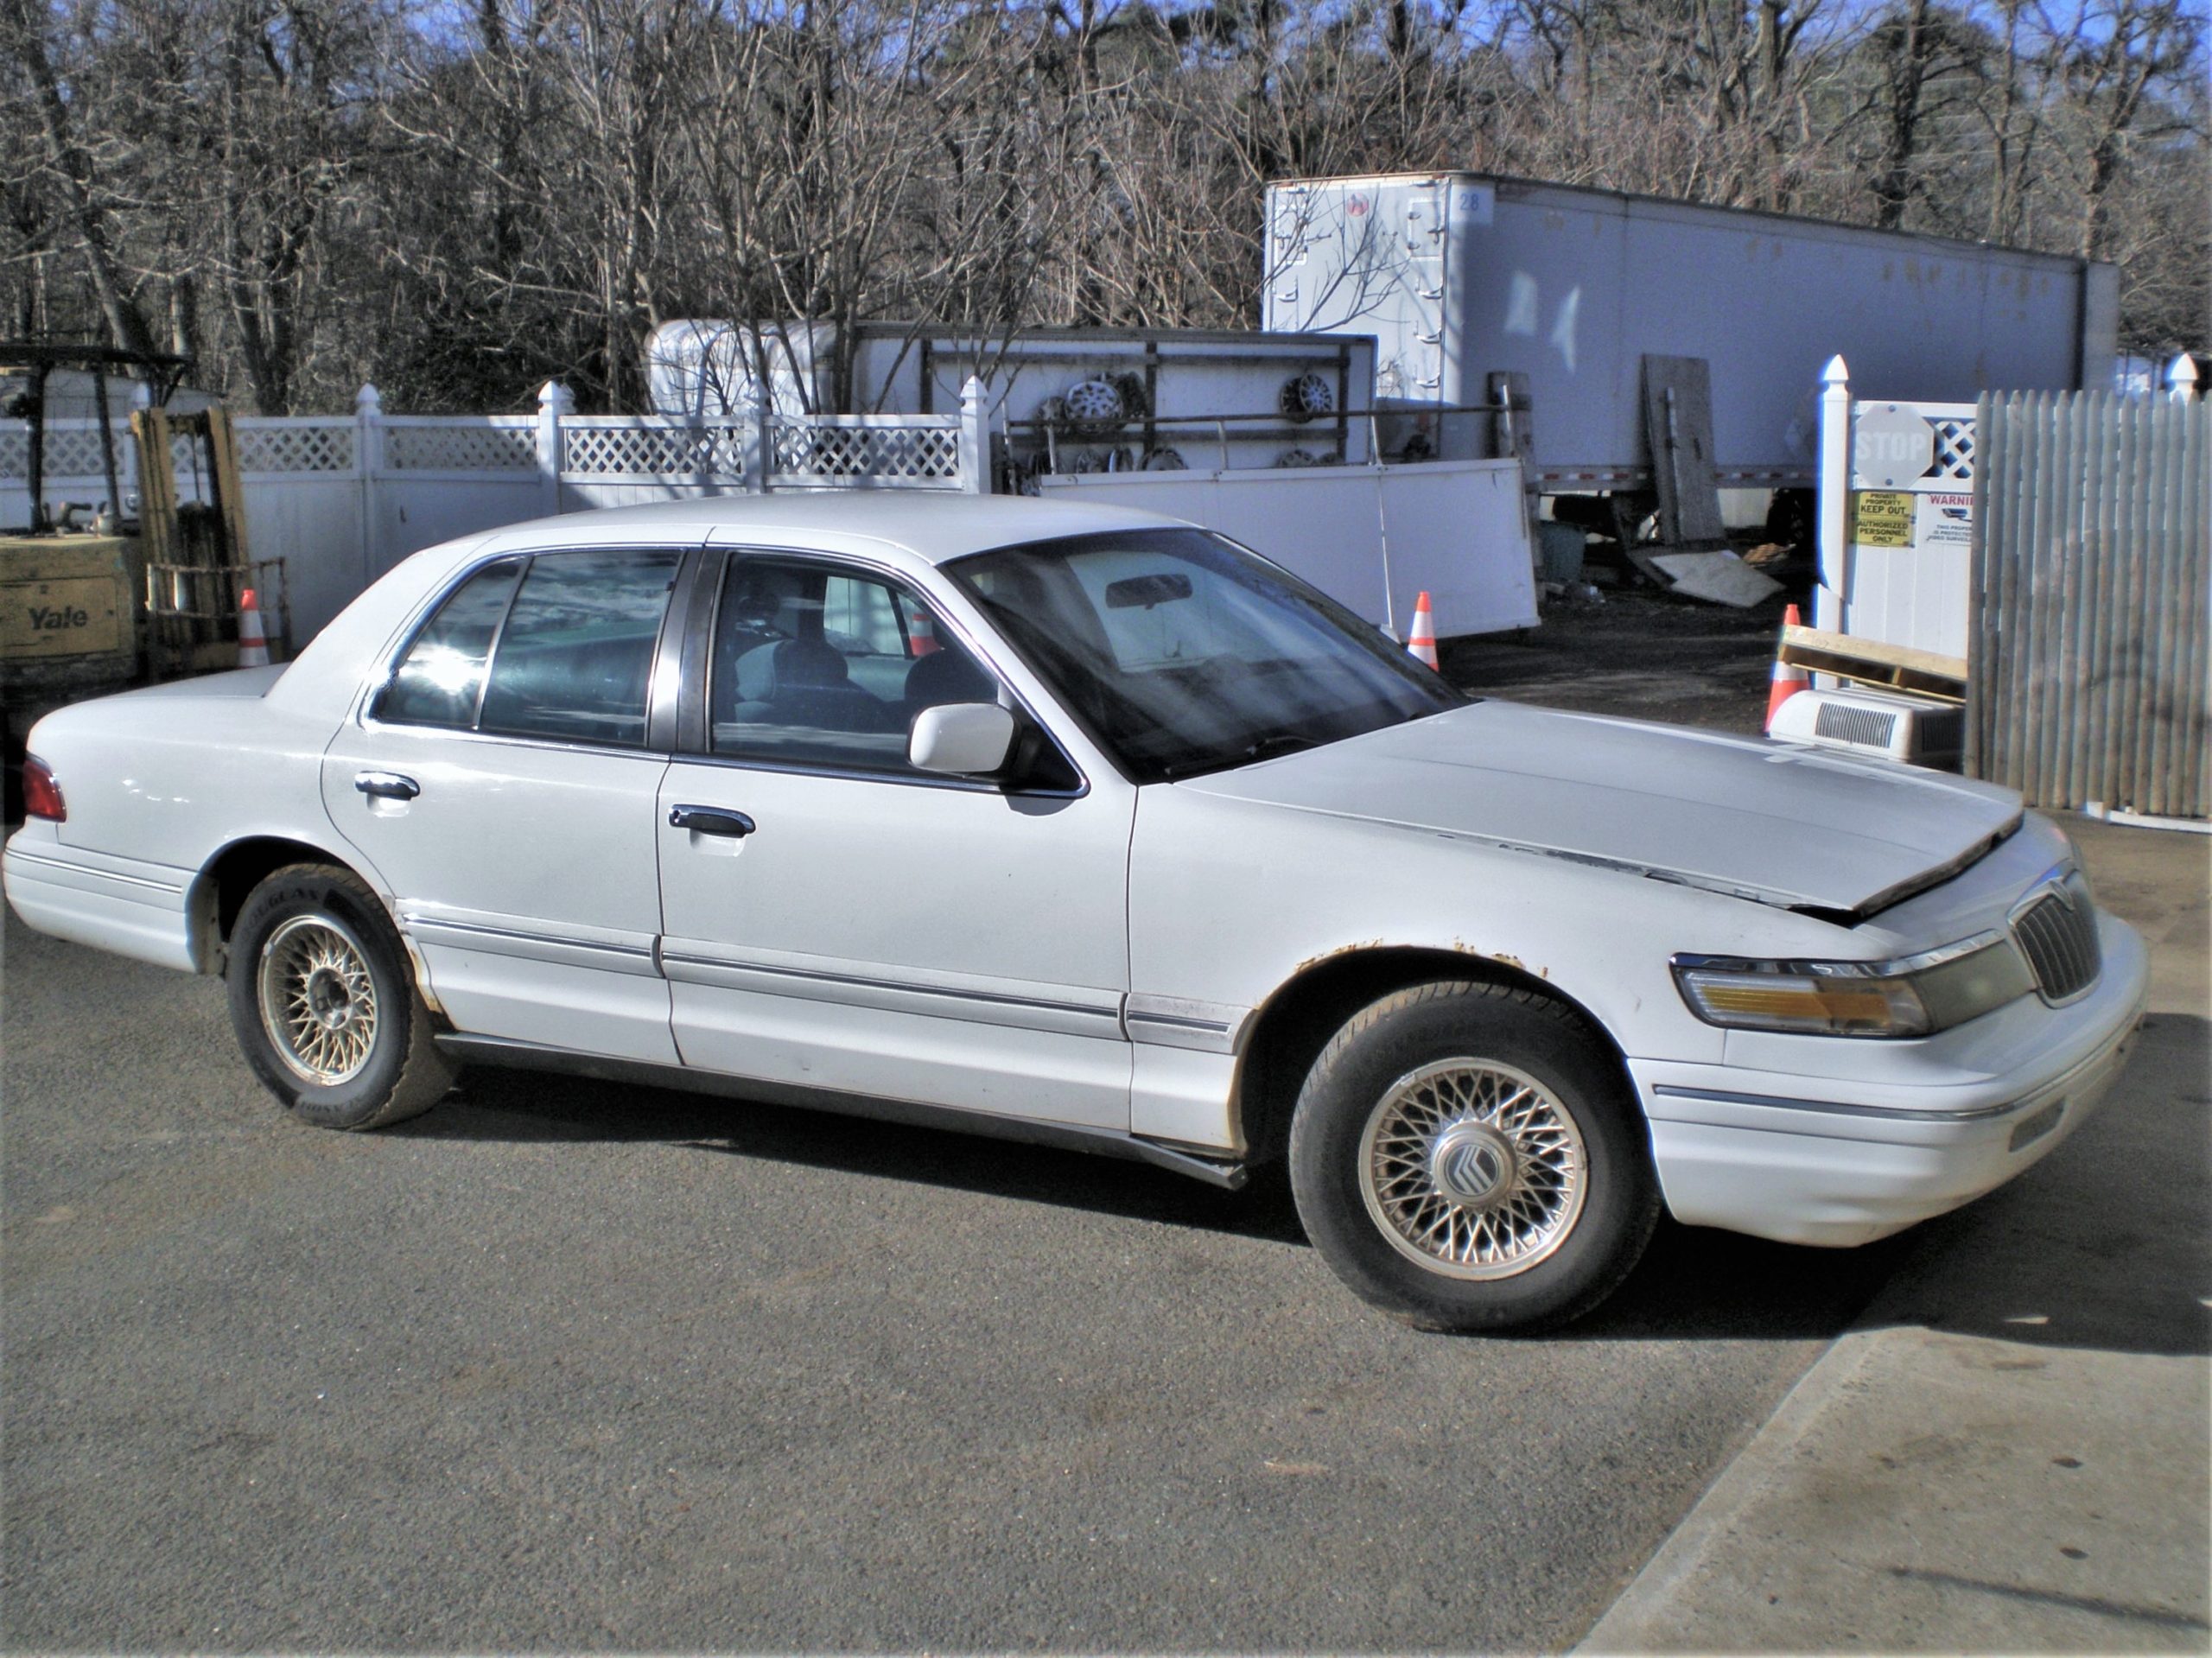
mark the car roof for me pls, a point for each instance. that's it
(934, 525)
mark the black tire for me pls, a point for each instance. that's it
(318, 932)
(1501, 1119)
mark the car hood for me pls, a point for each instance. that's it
(1804, 828)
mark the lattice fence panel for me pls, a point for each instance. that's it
(71, 452)
(913, 454)
(683, 452)
(1954, 450)
(295, 448)
(461, 447)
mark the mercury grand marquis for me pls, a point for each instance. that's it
(1090, 828)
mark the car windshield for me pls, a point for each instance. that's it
(1182, 653)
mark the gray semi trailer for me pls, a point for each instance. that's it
(1473, 285)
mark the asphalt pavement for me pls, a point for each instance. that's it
(569, 1366)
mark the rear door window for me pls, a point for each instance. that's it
(568, 638)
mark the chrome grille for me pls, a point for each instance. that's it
(2057, 932)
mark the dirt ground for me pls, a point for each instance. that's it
(1635, 653)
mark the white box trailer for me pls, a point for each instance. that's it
(1464, 277)
(1064, 400)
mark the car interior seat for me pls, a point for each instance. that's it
(804, 682)
(948, 674)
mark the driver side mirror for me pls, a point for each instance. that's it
(962, 739)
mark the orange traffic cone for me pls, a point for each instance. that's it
(1789, 678)
(1422, 640)
(253, 644)
(921, 633)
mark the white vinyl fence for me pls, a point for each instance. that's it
(1897, 519)
(1896, 515)
(343, 500)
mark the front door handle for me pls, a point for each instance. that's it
(710, 820)
(386, 785)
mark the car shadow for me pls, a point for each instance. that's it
(538, 1107)
(1692, 1282)
(2102, 1245)
(2106, 1243)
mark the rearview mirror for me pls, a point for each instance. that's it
(1143, 592)
(960, 738)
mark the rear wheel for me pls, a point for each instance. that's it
(1468, 1157)
(326, 1011)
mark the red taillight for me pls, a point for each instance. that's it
(41, 794)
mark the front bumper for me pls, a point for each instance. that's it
(1806, 1159)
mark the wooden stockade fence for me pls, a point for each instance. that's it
(2091, 516)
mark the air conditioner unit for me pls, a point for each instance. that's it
(1917, 730)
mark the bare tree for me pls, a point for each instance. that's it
(462, 200)
(70, 173)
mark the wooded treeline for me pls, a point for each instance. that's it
(460, 200)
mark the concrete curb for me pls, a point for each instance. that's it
(1667, 1578)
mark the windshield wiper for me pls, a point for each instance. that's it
(1280, 742)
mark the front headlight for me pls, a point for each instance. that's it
(1911, 996)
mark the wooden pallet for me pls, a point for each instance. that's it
(1871, 661)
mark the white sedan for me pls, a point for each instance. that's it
(1090, 828)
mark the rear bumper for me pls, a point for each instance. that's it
(122, 904)
(1740, 1150)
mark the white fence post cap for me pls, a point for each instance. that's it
(555, 397)
(1838, 372)
(368, 401)
(2181, 375)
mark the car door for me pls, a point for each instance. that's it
(836, 918)
(502, 787)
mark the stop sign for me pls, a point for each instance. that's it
(1890, 446)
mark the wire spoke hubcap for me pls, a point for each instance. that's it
(1472, 1169)
(318, 1001)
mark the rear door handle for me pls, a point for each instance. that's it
(710, 820)
(386, 785)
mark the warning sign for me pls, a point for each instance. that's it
(1882, 517)
(1944, 521)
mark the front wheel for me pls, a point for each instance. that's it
(325, 1009)
(1468, 1157)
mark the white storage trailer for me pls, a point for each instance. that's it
(1464, 277)
(1173, 397)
